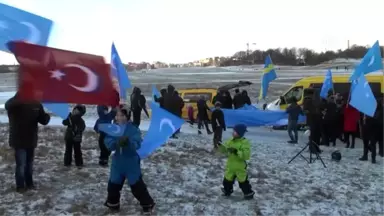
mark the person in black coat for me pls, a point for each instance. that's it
(329, 133)
(246, 98)
(160, 99)
(173, 103)
(238, 99)
(371, 135)
(74, 135)
(227, 103)
(202, 114)
(23, 128)
(218, 124)
(138, 103)
(379, 116)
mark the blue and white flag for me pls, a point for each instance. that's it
(327, 85)
(20, 25)
(59, 109)
(119, 72)
(362, 97)
(114, 130)
(371, 62)
(163, 125)
(156, 93)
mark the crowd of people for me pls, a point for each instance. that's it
(125, 164)
(333, 119)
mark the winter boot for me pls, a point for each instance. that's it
(373, 160)
(364, 158)
(249, 195)
(147, 210)
(226, 193)
(112, 206)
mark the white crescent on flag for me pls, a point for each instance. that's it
(92, 79)
(168, 122)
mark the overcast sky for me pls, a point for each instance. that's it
(186, 30)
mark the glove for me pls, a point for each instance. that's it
(123, 141)
(232, 150)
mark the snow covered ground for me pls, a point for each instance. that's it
(185, 177)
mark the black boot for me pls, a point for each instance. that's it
(247, 189)
(227, 187)
(140, 192)
(113, 200)
(364, 158)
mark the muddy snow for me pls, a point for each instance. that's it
(185, 175)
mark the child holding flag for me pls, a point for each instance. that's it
(238, 150)
(104, 117)
(74, 135)
(126, 164)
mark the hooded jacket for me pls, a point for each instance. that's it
(246, 98)
(173, 103)
(75, 125)
(104, 116)
(23, 122)
(125, 160)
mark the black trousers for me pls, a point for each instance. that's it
(136, 118)
(244, 186)
(369, 141)
(379, 137)
(104, 152)
(347, 135)
(328, 133)
(200, 125)
(217, 135)
(72, 146)
(139, 191)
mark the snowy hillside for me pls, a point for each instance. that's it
(185, 177)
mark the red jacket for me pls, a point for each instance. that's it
(351, 118)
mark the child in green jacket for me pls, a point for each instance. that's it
(238, 150)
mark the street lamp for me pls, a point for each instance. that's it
(248, 50)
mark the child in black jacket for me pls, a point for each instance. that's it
(218, 124)
(74, 135)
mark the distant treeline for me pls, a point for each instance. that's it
(295, 56)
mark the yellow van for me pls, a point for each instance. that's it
(191, 96)
(340, 82)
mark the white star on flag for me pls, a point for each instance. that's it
(56, 74)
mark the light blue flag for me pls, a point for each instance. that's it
(255, 118)
(371, 62)
(114, 130)
(119, 71)
(59, 109)
(156, 93)
(362, 97)
(327, 85)
(20, 25)
(163, 125)
(269, 74)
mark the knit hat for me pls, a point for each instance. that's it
(240, 129)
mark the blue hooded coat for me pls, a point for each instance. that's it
(104, 118)
(125, 160)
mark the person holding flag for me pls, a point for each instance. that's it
(126, 163)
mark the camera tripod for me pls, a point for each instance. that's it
(313, 147)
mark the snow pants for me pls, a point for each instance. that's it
(239, 174)
(132, 173)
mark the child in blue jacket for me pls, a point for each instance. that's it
(126, 165)
(105, 117)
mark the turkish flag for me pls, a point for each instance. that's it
(60, 76)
